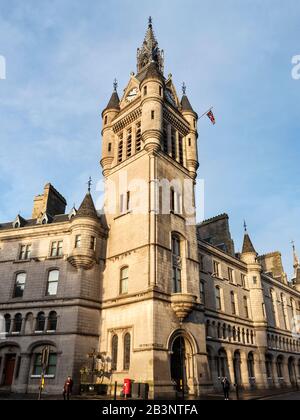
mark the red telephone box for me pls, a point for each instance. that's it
(127, 388)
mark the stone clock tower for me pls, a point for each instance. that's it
(152, 322)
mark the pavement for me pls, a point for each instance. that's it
(268, 395)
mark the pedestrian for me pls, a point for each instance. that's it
(68, 388)
(226, 388)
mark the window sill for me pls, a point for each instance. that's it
(51, 332)
(58, 257)
(15, 333)
(39, 332)
(22, 261)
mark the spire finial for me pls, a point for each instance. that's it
(115, 85)
(184, 88)
(150, 21)
(89, 184)
(245, 226)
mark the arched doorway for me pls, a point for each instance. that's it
(222, 364)
(178, 363)
(182, 368)
(269, 369)
(9, 355)
(251, 370)
(237, 368)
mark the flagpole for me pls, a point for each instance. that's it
(205, 113)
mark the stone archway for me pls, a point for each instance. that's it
(182, 363)
(237, 368)
(292, 371)
(9, 356)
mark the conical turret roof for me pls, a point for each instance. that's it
(87, 208)
(185, 104)
(248, 245)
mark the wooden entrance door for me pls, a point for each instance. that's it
(9, 370)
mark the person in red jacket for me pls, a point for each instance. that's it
(68, 388)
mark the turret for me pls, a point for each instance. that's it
(108, 143)
(296, 265)
(191, 143)
(254, 282)
(150, 66)
(85, 235)
(152, 107)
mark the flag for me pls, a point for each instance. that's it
(211, 116)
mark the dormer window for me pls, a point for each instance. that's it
(18, 223)
(44, 220)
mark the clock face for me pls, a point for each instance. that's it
(132, 95)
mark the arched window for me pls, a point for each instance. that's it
(202, 292)
(20, 285)
(218, 298)
(273, 302)
(279, 366)
(180, 142)
(176, 262)
(124, 277)
(246, 308)
(17, 323)
(233, 306)
(269, 363)
(234, 334)
(138, 140)
(52, 283)
(251, 366)
(219, 330)
(129, 143)
(173, 142)
(127, 350)
(7, 320)
(165, 139)
(40, 322)
(114, 353)
(120, 151)
(52, 321)
(222, 363)
(293, 307)
(37, 363)
(283, 301)
(224, 332)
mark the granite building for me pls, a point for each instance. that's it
(165, 301)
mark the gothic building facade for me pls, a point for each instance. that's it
(164, 301)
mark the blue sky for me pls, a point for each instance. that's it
(62, 56)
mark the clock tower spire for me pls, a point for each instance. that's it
(150, 52)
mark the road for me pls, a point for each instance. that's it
(293, 396)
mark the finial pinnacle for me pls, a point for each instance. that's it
(89, 184)
(150, 21)
(115, 85)
(245, 226)
(184, 88)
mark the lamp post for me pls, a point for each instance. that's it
(182, 362)
(45, 363)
